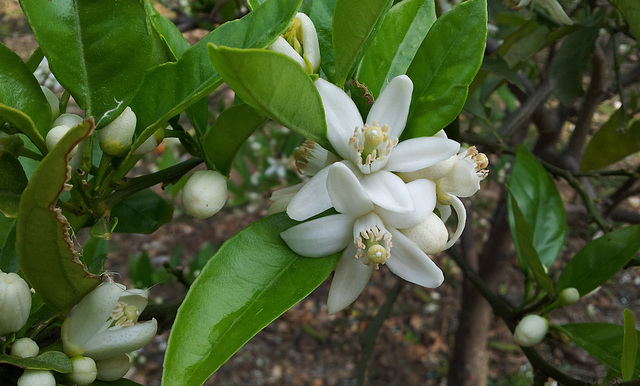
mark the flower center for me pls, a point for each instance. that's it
(371, 143)
(373, 246)
(293, 35)
(124, 315)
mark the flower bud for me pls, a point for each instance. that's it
(300, 42)
(150, 144)
(531, 330)
(205, 193)
(430, 235)
(569, 296)
(113, 369)
(36, 378)
(55, 135)
(54, 103)
(15, 302)
(69, 120)
(84, 371)
(432, 172)
(25, 348)
(117, 136)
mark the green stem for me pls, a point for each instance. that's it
(64, 101)
(35, 59)
(105, 165)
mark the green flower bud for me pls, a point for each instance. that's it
(36, 378)
(84, 371)
(569, 296)
(113, 369)
(531, 330)
(54, 103)
(117, 136)
(25, 348)
(15, 302)
(205, 193)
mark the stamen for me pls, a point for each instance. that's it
(124, 315)
(373, 246)
(371, 143)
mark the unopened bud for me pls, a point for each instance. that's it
(569, 296)
(55, 135)
(15, 302)
(531, 330)
(430, 235)
(117, 136)
(54, 103)
(204, 193)
(113, 369)
(25, 348)
(84, 371)
(36, 378)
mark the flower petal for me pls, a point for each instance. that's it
(462, 180)
(310, 42)
(135, 297)
(418, 153)
(462, 219)
(118, 341)
(350, 278)
(388, 191)
(555, 9)
(392, 106)
(411, 264)
(281, 46)
(320, 237)
(312, 199)
(341, 114)
(347, 194)
(423, 194)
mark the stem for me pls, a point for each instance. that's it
(105, 165)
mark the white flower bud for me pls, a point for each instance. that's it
(300, 42)
(54, 103)
(430, 235)
(69, 120)
(117, 136)
(36, 378)
(569, 296)
(113, 369)
(531, 330)
(55, 135)
(25, 348)
(15, 302)
(205, 193)
(150, 144)
(433, 172)
(84, 371)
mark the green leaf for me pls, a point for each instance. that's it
(232, 127)
(629, 346)
(119, 382)
(12, 182)
(20, 90)
(94, 253)
(600, 259)
(602, 340)
(393, 47)
(611, 143)
(8, 257)
(539, 200)
(354, 24)
(569, 62)
(523, 237)
(630, 9)
(321, 14)
(142, 212)
(23, 122)
(50, 360)
(252, 279)
(444, 66)
(170, 33)
(170, 88)
(98, 55)
(43, 243)
(287, 95)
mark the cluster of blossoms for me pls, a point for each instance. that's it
(385, 191)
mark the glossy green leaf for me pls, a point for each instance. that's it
(94, 253)
(523, 237)
(611, 143)
(232, 127)
(496, 65)
(142, 212)
(321, 14)
(20, 90)
(26, 125)
(98, 50)
(252, 279)
(50, 360)
(43, 241)
(629, 346)
(630, 9)
(539, 200)
(169, 32)
(170, 88)
(600, 259)
(354, 25)
(393, 47)
(287, 95)
(569, 62)
(444, 66)
(602, 340)
(12, 183)
(8, 257)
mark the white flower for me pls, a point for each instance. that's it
(366, 231)
(300, 42)
(371, 148)
(15, 302)
(530, 330)
(105, 323)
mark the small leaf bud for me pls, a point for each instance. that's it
(25, 348)
(531, 330)
(569, 296)
(204, 194)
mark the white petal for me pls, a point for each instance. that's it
(555, 9)
(388, 191)
(283, 47)
(461, 181)
(445, 211)
(341, 114)
(411, 264)
(349, 280)
(118, 341)
(320, 237)
(423, 194)
(347, 194)
(392, 106)
(312, 199)
(309, 41)
(418, 153)
(135, 297)
(462, 219)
